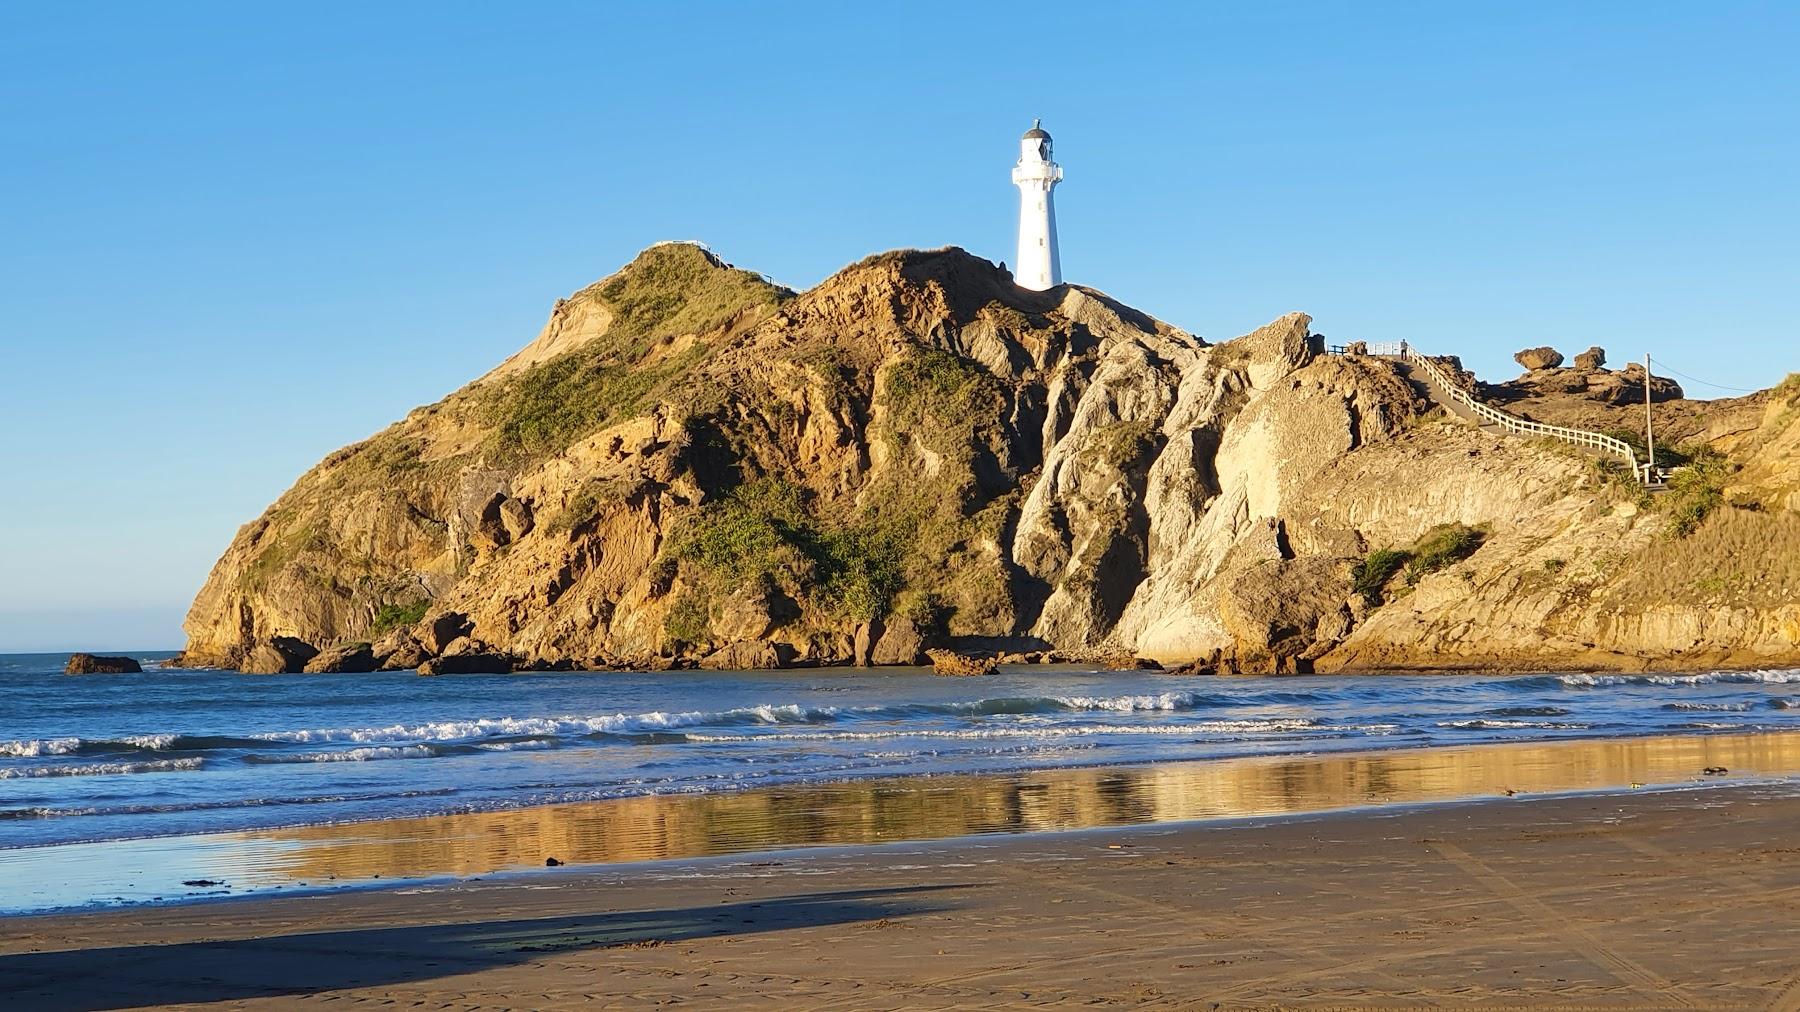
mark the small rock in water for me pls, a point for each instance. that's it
(94, 664)
(551, 862)
(1713, 771)
(201, 883)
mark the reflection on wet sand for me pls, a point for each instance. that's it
(686, 826)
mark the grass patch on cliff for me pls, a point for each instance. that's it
(1442, 547)
(397, 616)
(1695, 491)
(668, 291)
(1788, 390)
(1121, 444)
(1737, 559)
(764, 530)
(679, 288)
(1438, 549)
(1371, 576)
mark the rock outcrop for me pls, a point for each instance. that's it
(1534, 359)
(352, 658)
(95, 664)
(691, 467)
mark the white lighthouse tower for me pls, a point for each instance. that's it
(1039, 264)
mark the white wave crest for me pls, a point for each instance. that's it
(1131, 704)
(358, 755)
(103, 769)
(1489, 724)
(506, 727)
(528, 745)
(40, 747)
(155, 742)
(1790, 676)
(1273, 726)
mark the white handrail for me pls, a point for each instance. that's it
(1519, 426)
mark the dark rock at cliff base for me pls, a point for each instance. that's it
(278, 656)
(435, 634)
(949, 662)
(746, 655)
(399, 651)
(901, 642)
(94, 664)
(349, 659)
(468, 664)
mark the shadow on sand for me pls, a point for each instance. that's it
(305, 963)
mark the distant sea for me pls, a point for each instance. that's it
(171, 751)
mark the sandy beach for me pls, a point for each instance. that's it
(1678, 897)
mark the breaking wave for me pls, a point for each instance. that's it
(1789, 676)
(101, 769)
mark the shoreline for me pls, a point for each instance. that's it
(1581, 664)
(1567, 901)
(162, 872)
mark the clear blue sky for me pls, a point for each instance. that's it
(236, 236)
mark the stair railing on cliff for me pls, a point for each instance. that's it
(1494, 416)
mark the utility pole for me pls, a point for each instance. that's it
(1649, 430)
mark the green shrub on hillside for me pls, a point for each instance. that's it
(1373, 573)
(668, 291)
(930, 385)
(1120, 444)
(762, 530)
(1441, 547)
(396, 616)
(689, 619)
(1695, 491)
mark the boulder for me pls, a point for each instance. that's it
(901, 642)
(864, 644)
(351, 658)
(516, 518)
(463, 645)
(279, 655)
(1591, 359)
(1539, 358)
(744, 655)
(468, 664)
(949, 662)
(398, 651)
(1283, 613)
(439, 632)
(95, 664)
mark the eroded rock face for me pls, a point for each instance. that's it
(278, 655)
(1042, 473)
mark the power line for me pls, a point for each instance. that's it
(1694, 379)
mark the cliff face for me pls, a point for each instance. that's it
(690, 465)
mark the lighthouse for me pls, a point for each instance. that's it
(1036, 176)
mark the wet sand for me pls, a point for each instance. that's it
(1684, 897)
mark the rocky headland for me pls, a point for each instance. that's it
(691, 466)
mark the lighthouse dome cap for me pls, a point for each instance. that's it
(1037, 132)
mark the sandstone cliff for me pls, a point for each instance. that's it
(690, 465)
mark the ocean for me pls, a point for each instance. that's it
(172, 752)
